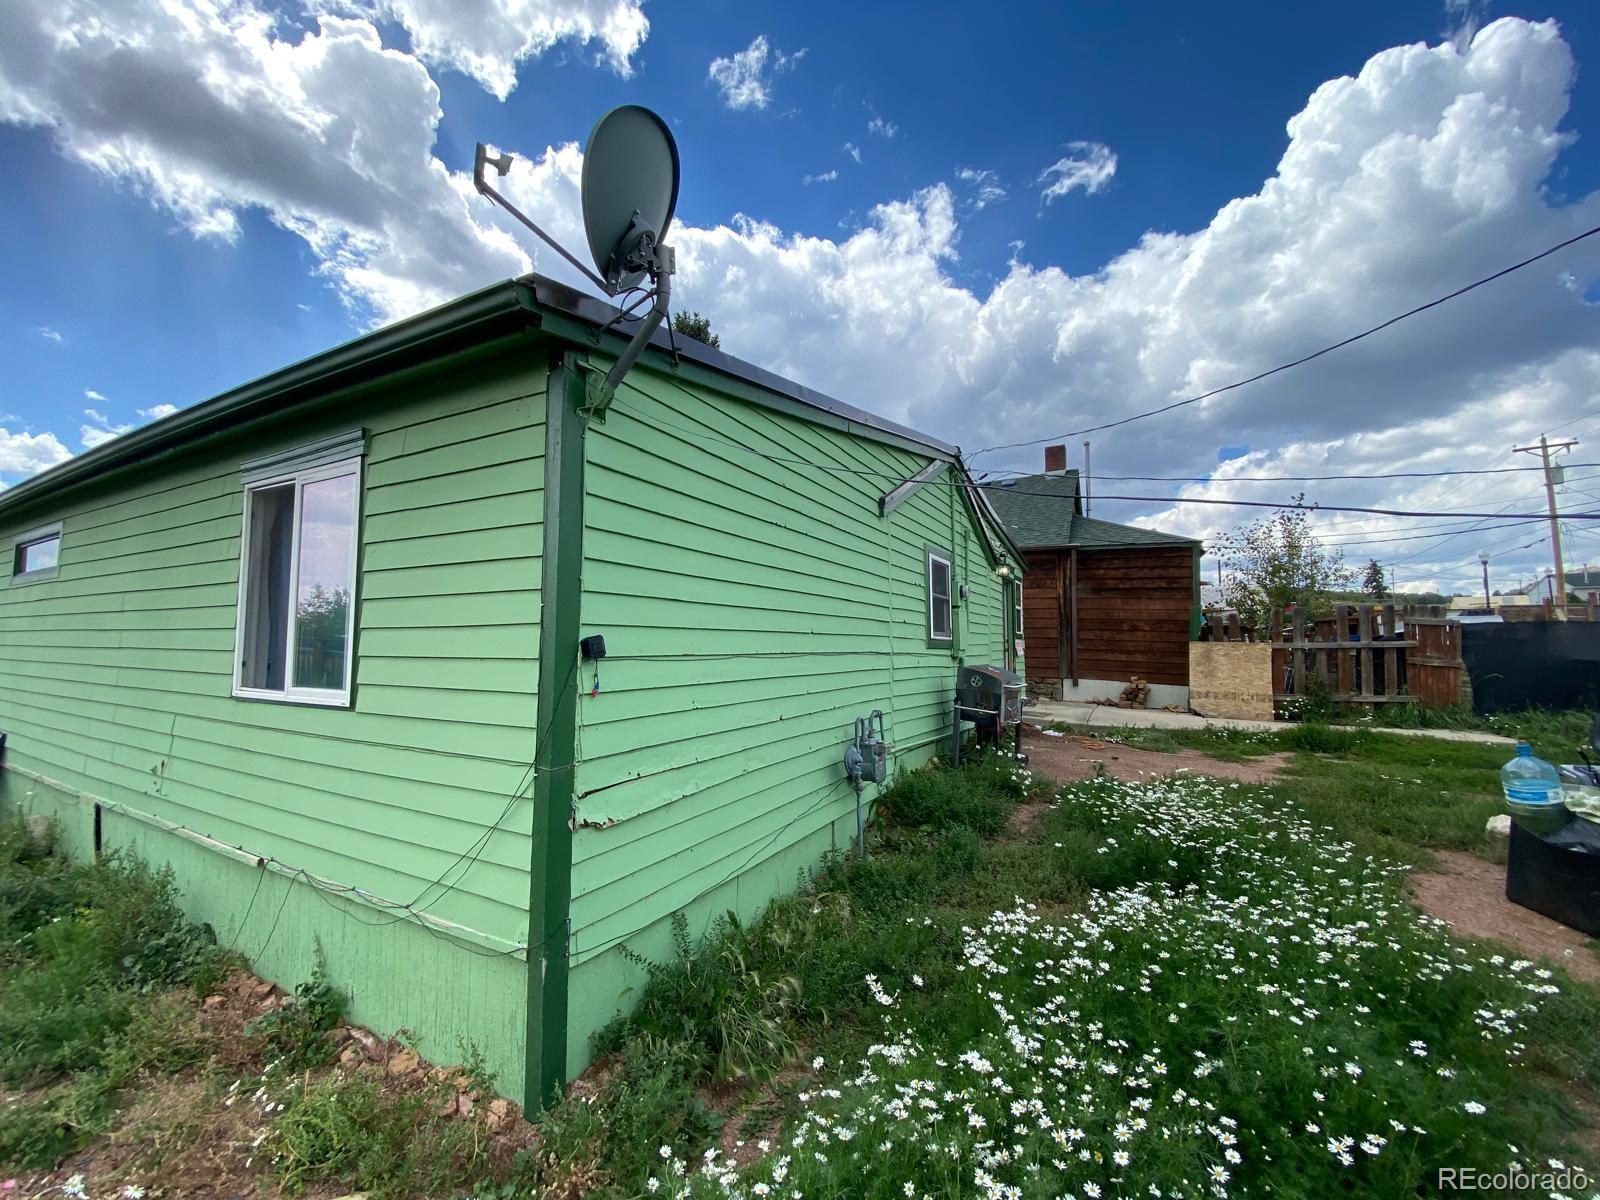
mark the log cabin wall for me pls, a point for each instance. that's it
(1044, 593)
(1134, 608)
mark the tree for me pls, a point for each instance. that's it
(321, 620)
(1277, 561)
(693, 325)
(1373, 583)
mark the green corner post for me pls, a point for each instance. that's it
(550, 871)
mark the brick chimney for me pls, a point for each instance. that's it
(1055, 460)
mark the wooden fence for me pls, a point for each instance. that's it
(1225, 627)
(1368, 654)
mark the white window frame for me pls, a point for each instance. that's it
(278, 472)
(33, 537)
(1016, 609)
(949, 635)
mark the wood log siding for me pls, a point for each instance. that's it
(1133, 609)
(1041, 616)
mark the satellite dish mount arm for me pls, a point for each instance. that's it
(638, 250)
(502, 164)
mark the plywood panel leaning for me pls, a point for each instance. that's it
(1231, 679)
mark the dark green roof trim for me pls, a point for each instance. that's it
(484, 315)
(580, 318)
(515, 306)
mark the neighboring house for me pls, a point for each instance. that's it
(315, 645)
(1102, 602)
(1582, 581)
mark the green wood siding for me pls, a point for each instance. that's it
(753, 606)
(115, 677)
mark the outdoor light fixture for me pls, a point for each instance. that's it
(1003, 569)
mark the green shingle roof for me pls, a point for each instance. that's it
(1044, 510)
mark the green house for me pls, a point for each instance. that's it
(315, 643)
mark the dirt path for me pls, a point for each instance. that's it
(1470, 894)
(1074, 756)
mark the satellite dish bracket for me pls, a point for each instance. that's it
(600, 391)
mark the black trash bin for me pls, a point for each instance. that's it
(1558, 881)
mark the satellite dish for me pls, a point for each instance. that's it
(630, 189)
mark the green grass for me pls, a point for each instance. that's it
(1399, 797)
(1553, 733)
(1218, 742)
(85, 953)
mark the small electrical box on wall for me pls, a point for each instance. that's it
(592, 648)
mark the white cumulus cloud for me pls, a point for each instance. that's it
(1086, 165)
(29, 453)
(99, 429)
(157, 411)
(745, 78)
(490, 39)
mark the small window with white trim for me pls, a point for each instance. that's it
(1016, 619)
(938, 597)
(35, 555)
(297, 575)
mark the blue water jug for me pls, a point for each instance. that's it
(1529, 780)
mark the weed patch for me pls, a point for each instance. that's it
(605, 1143)
(297, 1033)
(979, 796)
(387, 1143)
(83, 951)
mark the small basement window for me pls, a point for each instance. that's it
(35, 555)
(938, 598)
(297, 581)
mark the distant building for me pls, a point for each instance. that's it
(1103, 602)
(1582, 581)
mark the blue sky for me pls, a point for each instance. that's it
(117, 287)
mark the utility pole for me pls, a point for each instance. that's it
(1543, 451)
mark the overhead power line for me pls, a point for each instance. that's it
(1297, 478)
(1305, 358)
(833, 468)
(1315, 508)
(1414, 537)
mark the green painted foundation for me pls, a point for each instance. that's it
(471, 999)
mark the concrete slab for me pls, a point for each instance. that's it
(1105, 716)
